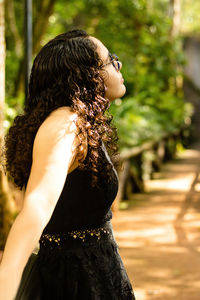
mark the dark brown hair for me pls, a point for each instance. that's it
(66, 72)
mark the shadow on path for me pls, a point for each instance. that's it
(159, 233)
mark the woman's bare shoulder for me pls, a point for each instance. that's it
(59, 124)
(61, 119)
(62, 114)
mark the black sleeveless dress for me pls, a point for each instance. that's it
(78, 257)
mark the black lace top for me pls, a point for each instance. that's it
(82, 206)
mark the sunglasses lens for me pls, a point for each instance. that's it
(114, 61)
(116, 64)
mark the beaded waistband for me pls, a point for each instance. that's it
(78, 235)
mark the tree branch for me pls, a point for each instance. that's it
(41, 22)
(10, 13)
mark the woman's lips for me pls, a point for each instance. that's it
(122, 80)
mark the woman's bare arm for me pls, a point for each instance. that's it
(53, 153)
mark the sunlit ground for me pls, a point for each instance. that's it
(159, 233)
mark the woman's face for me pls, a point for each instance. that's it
(114, 82)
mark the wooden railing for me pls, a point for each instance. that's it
(140, 162)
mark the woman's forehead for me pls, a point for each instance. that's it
(101, 49)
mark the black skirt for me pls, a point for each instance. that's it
(82, 264)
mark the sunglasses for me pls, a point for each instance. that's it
(114, 60)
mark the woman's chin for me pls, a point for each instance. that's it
(123, 91)
(118, 94)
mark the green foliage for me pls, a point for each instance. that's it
(139, 33)
(13, 107)
(190, 16)
(138, 123)
(12, 65)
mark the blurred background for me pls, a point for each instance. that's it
(156, 212)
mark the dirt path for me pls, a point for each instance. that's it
(159, 233)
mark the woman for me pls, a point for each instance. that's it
(56, 150)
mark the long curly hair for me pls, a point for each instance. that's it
(66, 72)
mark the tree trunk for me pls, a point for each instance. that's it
(175, 14)
(39, 29)
(11, 23)
(41, 23)
(6, 204)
